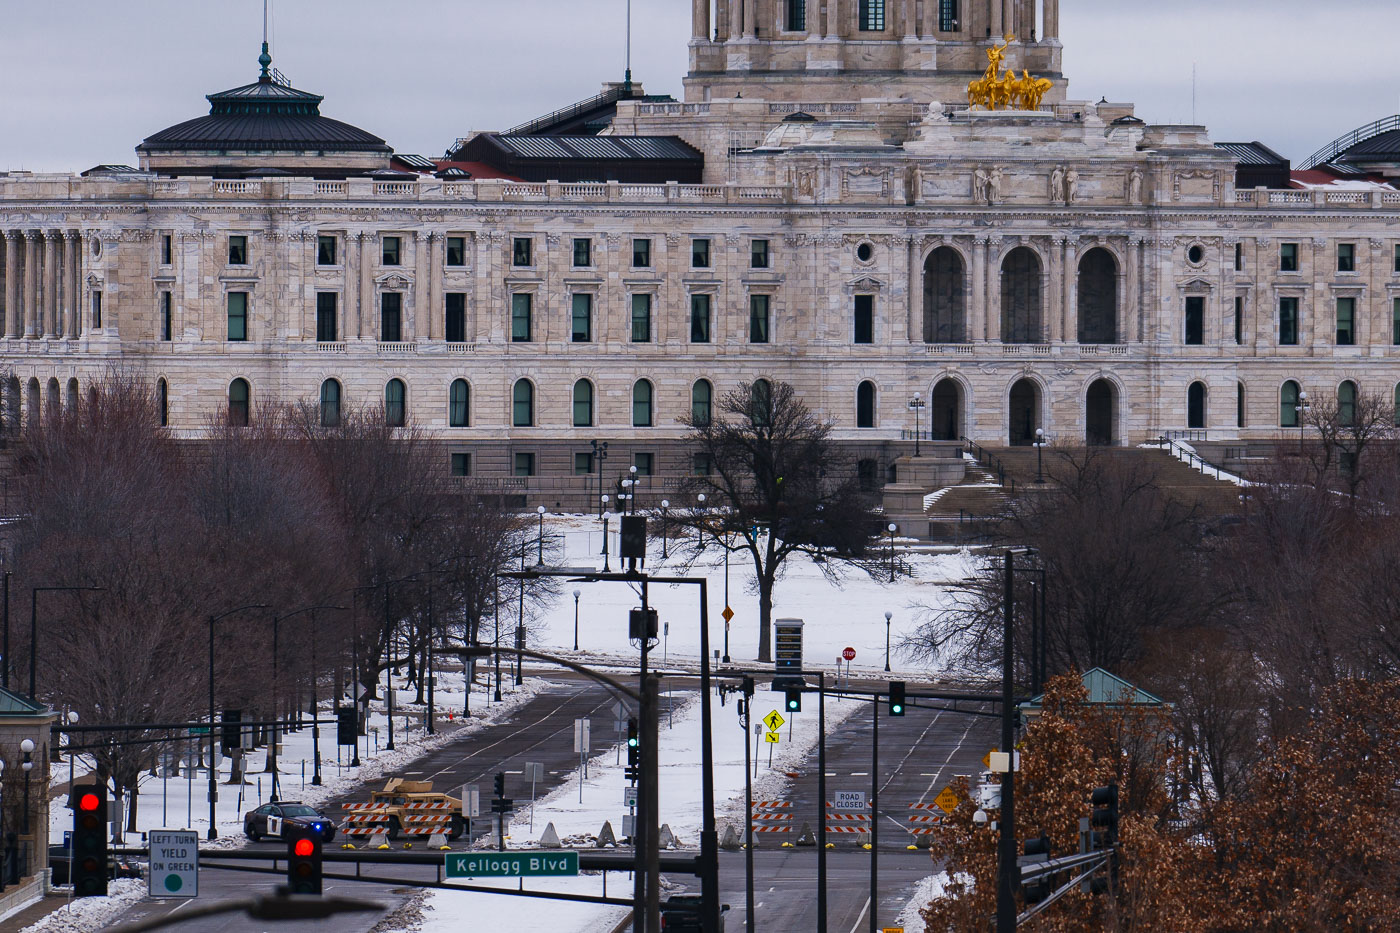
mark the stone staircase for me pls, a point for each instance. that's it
(971, 509)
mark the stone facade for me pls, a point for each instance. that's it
(1072, 269)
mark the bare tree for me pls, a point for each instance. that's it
(1345, 433)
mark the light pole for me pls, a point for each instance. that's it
(27, 746)
(213, 757)
(700, 525)
(1302, 408)
(632, 488)
(4, 862)
(892, 529)
(888, 615)
(577, 593)
(916, 405)
(606, 516)
(539, 559)
(34, 624)
(315, 712)
(1039, 446)
(665, 504)
(600, 453)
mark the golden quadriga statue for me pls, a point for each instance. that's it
(998, 90)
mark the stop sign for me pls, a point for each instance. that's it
(849, 654)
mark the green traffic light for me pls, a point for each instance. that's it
(897, 709)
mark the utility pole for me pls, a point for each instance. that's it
(1006, 839)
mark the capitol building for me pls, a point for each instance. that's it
(872, 200)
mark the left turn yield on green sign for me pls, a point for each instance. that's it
(174, 864)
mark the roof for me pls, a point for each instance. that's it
(594, 147)
(1107, 689)
(1384, 147)
(1253, 153)
(472, 170)
(1334, 176)
(12, 704)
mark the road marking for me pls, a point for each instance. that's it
(860, 916)
(860, 774)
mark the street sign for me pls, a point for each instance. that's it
(728, 614)
(773, 721)
(987, 759)
(892, 930)
(629, 825)
(849, 800)
(581, 736)
(773, 738)
(849, 654)
(629, 796)
(787, 646)
(470, 796)
(528, 864)
(534, 771)
(68, 839)
(174, 869)
(947, 800)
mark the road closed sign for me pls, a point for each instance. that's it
(174, 864)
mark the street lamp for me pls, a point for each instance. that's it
(888, 616)
(632, 487)
(1039, 446)
(916, 405)
(34, 624)
(577, 593)
(600, 453)
(5, 868)
(315, 712)
(540, 558)
(700, 525)
(27, 746)
(892, 529)
(1302, 408)
(665, 504)
(213, 758)
(606, 516)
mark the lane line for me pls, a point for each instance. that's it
(860, 916)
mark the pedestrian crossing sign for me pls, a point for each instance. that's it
(773, 721)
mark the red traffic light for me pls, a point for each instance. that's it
(89, 802)
(304, 847)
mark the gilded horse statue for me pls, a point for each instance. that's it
(996, 90)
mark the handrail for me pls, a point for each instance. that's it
(979, 453)
(610, 96)
(1342, 143)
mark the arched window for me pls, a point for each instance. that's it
(702, 396)
(330, 404)
(1021, 318)
(1288, 413)
(1098, 297)
(32, 402)
(865, 405)
(459, 396)
(1196, 405)
(523, 404)
(55, 400)
(761, 403)
(583, 404)
(1024, 412)
(395, 414)
(163, 402)
(71, 397)
(641, 404)
(1346, 404)
(239, 403)
(945, 297)
(1100, 410)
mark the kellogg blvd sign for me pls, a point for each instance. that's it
(511, 864)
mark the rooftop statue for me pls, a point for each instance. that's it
(996, 90)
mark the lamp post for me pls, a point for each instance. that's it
(213, 758)
(27, 746)
(700, 525)
(4, 863)
(606, 516)
(665, 504)
(1302, 408)
(34, 624)
(539, 559)
(1039, 446)
(632, 488)
(892, 529)
(888, 615)
(600, 453)
(577, 593)
(916, 405)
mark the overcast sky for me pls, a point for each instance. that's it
(87, 80)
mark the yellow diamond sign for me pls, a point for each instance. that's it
(987, 759)
(773, 721)
(948, 800)
(727, 613)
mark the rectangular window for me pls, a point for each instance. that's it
(524, 464)
(461, 464)
(641, 318)
(1239, 319)
(1239, 257)
(521, 310)
(872, 16)
(700, 254)
(1288, 322)
(1395, 322)
(1346, 322)
(1239, 404)
(796, 15)
(166, 328)
(391, 251)
(326, 330)
(1195, 320)
(583, 318)
(641, 254)
(758, 319)
(391, 317)
(456, 251)
(699, 318)
(455, 326)
(1288, 257)
(167, 249)
(96, 310)
(1397, 257)
(237, 315)
(700, 465)
(645, 464)
(948, 15)
(583, 463)
(1346, 257)
(522, 251)
(865, 319)
(238, 250)
(325, 250)
(583, 252)
(758, 254)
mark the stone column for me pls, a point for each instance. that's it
(993, 266)
(1052, 19)
(911, 19)
(913, 306)
(977, 313)
(700, 19)
(31, 283)
(50, 322)
(750, 18)
(1128, 315)
(836, 18)
(436, 302)
(997, 31)
(930, 21)
(1071, 292)
(13, 316)
(1008, 17)
(420, 316)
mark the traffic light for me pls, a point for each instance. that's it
(89, 865)
(640, 624)
(634, 750)
(346, 725)
(1037, 850)
(231, 732)
(633, 537)
(1103, 823)
(500, 784)
(793, 701)
(304, 863)
(896, 698)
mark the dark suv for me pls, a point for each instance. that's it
(681, 913)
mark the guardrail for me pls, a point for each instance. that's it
(981, 455)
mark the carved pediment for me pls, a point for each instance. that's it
(865, 283)
(1197, 285)
(394, 281)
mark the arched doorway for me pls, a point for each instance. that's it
(1098, 297)
(1021, 318)
(32, 402)
(1196, 405)
(1100, 413)
(1025, 412)
(945, 297)
(947, 410)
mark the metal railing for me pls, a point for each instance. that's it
(981, 455)
(610, 96)
(1342, 143)
(1171, 441)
